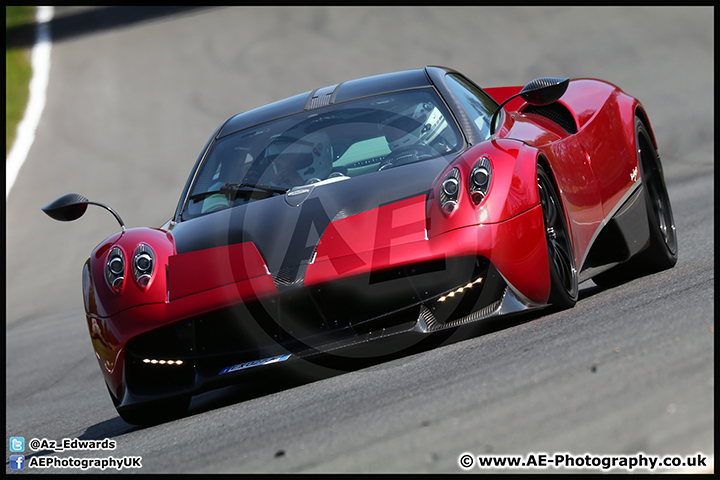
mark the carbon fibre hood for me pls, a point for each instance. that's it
(286, 236)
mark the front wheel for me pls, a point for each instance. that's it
(563, 271)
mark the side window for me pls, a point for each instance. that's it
(476, 102)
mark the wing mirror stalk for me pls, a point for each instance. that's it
(541, 91)
(72, 206)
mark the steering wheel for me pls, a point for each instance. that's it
(405, 155)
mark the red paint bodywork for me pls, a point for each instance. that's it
(592, 170)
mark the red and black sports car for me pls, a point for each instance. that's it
(369, 212)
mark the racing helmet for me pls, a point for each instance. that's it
(310, 155)
(321, 157)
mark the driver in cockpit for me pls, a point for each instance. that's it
(294, 162)
(414, 134)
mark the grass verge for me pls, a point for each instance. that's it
(18, 70)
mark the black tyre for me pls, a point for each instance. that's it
(563, 271)
(662, 253)
(662, 250)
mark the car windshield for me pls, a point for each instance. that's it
(325, 145)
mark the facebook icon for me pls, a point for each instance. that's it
(17, 462)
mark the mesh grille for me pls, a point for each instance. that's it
(320, 97)
(556, 112)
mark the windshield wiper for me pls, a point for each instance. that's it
(234, 188)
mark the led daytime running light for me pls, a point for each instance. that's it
(154, 361)
(460, 290)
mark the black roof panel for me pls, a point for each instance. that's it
(349, 90)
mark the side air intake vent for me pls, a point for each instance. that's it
(557, 112)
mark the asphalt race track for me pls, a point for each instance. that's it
(133, 96)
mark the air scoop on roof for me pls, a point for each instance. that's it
(321, 97)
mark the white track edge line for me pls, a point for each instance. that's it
(36, 100)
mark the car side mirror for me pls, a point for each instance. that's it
(72, 206)
(541, 91)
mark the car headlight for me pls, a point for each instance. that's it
(115, 269)
(143, 264)
(480, 180)
(449, 191)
